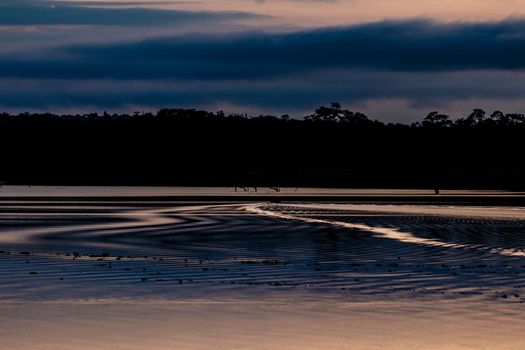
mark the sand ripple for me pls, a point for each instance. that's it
(101, 250)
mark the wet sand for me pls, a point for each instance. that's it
(261, 326)
(259, 275)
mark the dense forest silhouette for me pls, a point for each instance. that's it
(331, 147)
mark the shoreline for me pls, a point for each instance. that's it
(481, 199)
(174, 195)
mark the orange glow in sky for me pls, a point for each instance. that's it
(338, 12)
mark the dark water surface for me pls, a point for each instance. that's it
(100, 249)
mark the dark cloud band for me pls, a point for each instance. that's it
(422, 63)
(31, 12)
(387, 46)
(302, 92)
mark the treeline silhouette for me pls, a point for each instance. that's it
(331, 147)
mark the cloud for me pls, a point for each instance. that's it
(107, 3)
(421, 65)
(386, 46)
(366, 91)
(327, 1)
(34, 12)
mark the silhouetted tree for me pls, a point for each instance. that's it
(437, 120)
(477, 117)
(506, 120)
(335, 114)
(515, 118)
(331, 147)
(327, 114)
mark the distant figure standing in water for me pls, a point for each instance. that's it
(436, 191)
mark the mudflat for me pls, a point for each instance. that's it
(83, 272)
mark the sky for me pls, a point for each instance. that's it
(395, 60)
